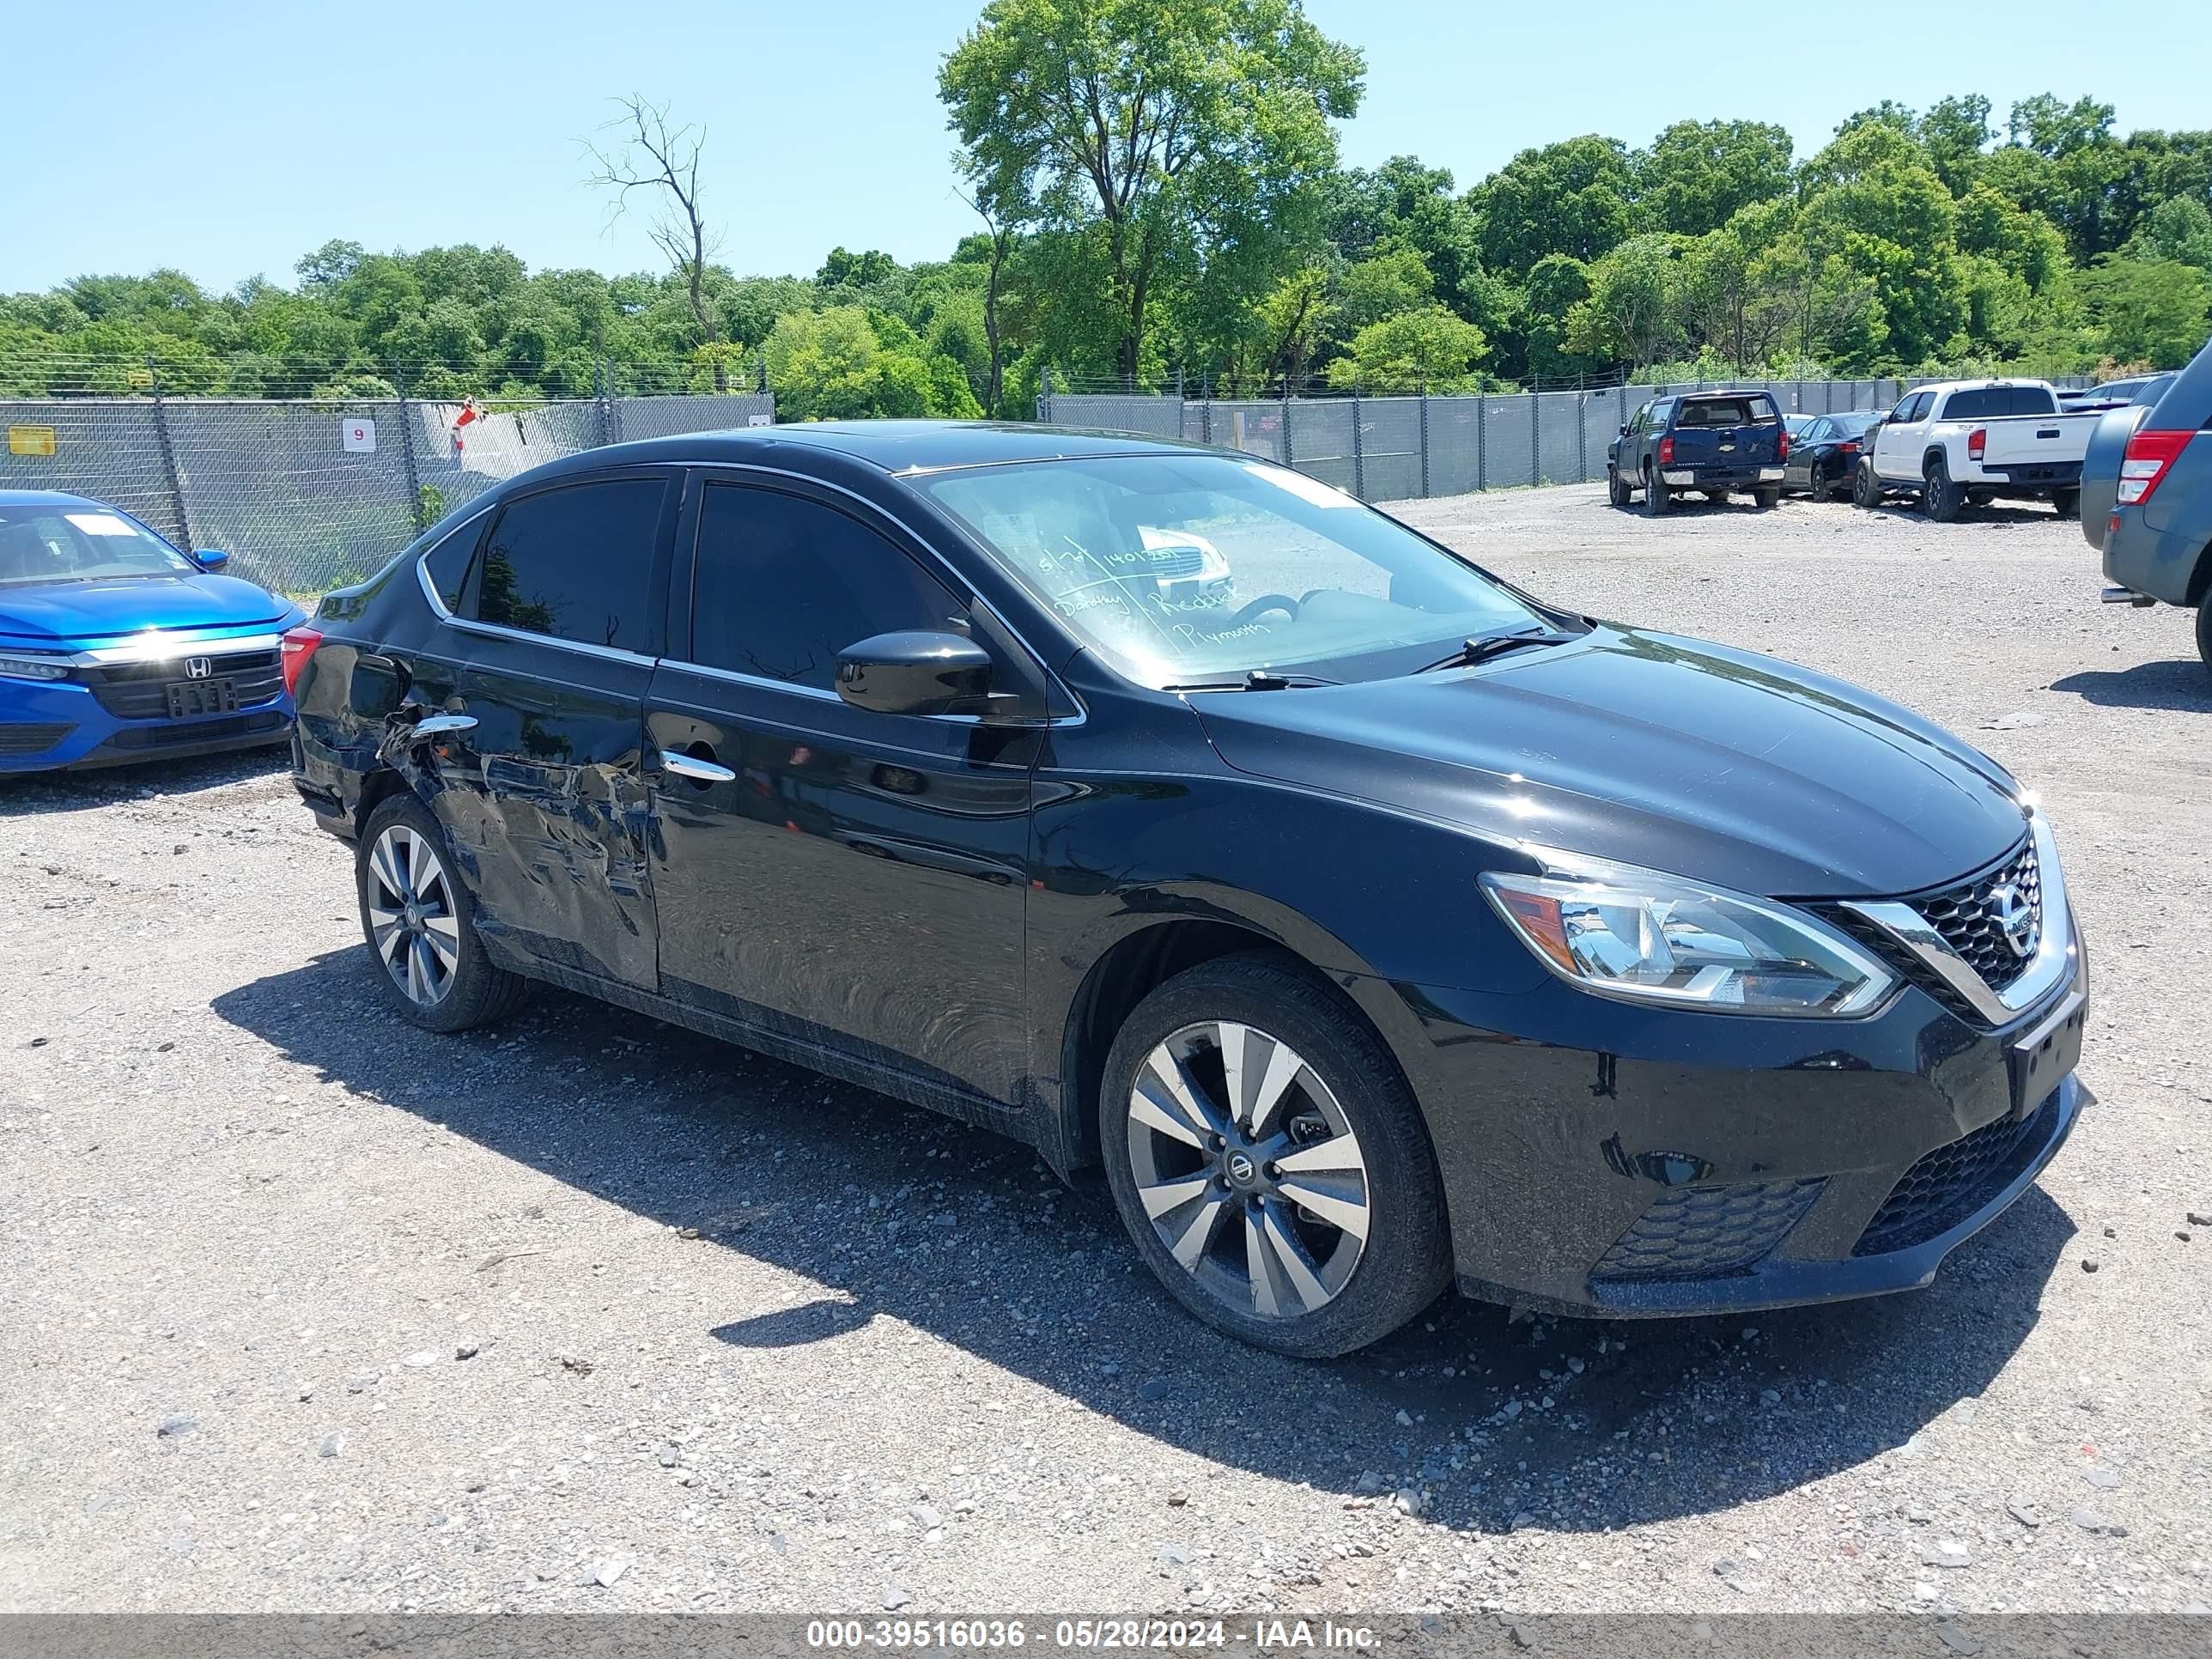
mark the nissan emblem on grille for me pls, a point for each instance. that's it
(2016, 918)
(198, 668)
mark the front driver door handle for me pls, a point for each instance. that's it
(691, 767)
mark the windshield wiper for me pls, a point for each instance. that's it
(1255, 680)
(1494, 645)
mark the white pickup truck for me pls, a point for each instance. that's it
(1967, 442)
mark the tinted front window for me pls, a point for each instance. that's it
(1180, 568)
(577, 563)
(785, 583)
(66, 544)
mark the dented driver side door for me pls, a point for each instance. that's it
(559, 627)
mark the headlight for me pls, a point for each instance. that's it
(33, 668)
(1623, 931)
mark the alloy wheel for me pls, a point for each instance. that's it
(1249, 1170)
(413, 920)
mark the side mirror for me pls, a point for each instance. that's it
(1623, 432)
(913, 671)
(210, 559)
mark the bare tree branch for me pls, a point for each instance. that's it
(650, 155)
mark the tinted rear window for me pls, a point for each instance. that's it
(1725, 411)
(577, 563)
(1988, 403)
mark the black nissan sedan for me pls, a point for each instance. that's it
(1375, 924)
(1824, 451)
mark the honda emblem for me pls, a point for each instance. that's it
(198, 668)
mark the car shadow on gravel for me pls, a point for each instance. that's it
(2178, 684)
(1496, 1421)
(27, 794)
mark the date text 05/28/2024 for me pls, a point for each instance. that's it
(1169, 1635)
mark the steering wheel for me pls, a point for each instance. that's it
(1261, 606)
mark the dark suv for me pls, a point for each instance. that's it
(1373, 923)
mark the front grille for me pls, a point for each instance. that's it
(17, 741)
(139, 691)
(1965, 916)
(1703, 1232)
(1174, 562)
(198, 731)
(1948, 1185)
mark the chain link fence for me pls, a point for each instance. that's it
(308, 497)
(1383, 449)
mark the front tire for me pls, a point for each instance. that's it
(1269, 1161)
(419, 920)
(1769, 496)
(1939, 498)
(2205, 630)
(1616, 490)
(1657, 499)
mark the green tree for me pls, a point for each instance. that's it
(1631, 315)
(1157, 126)
(2178, 228)
(1431, 348)
(1697, 174)
(1574, 198)
(2150, 311)
(1558, 284)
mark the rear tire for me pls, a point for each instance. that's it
(419, 920)
(1939, 498)
(1866, 490)
(2205, 630)
(1657, 499)
(1204, 1196)
(2066, 502)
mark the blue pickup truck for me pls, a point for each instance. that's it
(1717, 442)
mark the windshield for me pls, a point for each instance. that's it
(1179, 569)
(66, 544)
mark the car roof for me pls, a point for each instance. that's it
(893, 446)
(44, 498)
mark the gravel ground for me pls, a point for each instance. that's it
(303, 1309)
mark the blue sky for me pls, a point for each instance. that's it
(230, 143)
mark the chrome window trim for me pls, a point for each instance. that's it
(2057, 954)
(760, 682)
(495, 631)
(163, 649)
(423, 562)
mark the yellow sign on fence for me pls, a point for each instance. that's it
(30, 440)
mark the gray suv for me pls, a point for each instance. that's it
(2147, 499)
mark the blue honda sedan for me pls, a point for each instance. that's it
(116, 646)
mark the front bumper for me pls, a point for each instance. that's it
(1612, 1160)
(48, 726)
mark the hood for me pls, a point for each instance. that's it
(97, 612)
(1692, 758)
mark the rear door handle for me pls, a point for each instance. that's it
(691, 767)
